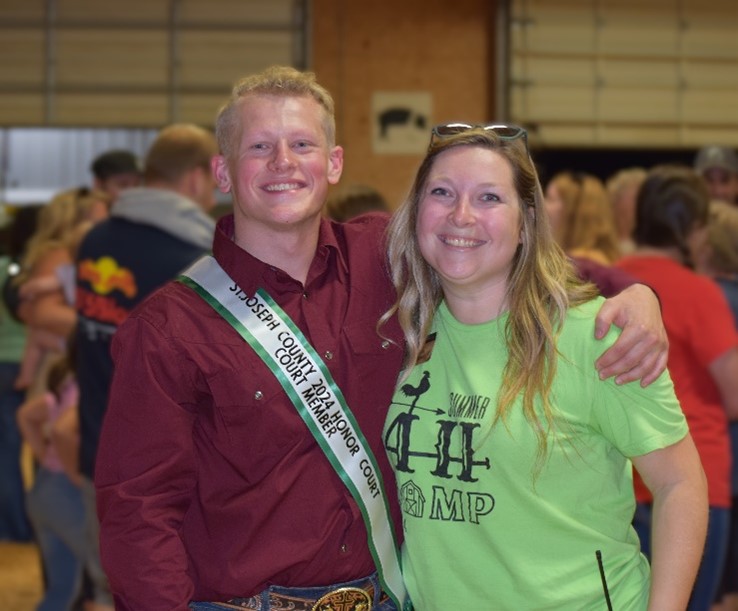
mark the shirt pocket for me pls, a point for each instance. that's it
(373, 357)
(251, 408)
(364, 340)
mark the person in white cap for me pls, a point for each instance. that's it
(718, 165)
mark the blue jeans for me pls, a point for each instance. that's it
(99, 582)
(261, 601)
(57, 513)
(14, 525)
(711, 568)
(387, 606)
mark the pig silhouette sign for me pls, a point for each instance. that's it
(401, 122)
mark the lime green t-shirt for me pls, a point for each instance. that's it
(483, 529)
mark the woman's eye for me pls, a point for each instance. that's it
(490, 197)
(439, 191)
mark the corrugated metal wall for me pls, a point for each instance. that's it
(111, 73)
(652, 73)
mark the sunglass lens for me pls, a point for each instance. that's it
(504, 131)
(451, 129)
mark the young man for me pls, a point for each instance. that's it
(232, 474)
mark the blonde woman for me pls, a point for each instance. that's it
(622, 190)
(512, 457)
(46, 283)
(581, 218)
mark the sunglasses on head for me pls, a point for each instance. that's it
(503, 132)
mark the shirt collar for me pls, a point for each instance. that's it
(251, 273)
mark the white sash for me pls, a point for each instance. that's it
(318, 399)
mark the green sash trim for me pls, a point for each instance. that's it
(307, 381)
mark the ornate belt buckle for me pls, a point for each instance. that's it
(344, 599)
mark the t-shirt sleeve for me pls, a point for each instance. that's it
(633, 419)
(640, 420)
(711, 327)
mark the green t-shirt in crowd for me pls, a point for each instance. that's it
(487, 530)
(12, 333)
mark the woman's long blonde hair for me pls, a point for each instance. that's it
(542, 284)
(60, 223)
(588, 223)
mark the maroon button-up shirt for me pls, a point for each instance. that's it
(210, 485)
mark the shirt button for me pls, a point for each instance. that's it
(258, 395)
(305, 295)
(344, 548)
(385, 344)
(328, 355)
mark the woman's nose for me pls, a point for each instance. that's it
(462, 213)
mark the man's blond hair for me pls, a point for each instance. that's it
(276, 81)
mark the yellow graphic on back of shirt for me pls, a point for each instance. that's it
(106, 276)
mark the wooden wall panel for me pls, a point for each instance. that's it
(389, 46)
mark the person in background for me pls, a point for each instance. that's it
(349, 202)
(576, 209)
(622, 191)
(154, 231)
(55, 501)
(46, 280)
(513, 460)
(113, 171)
(581, 218)
(670, 233)
(14, 236)
(212, 489)
(719, 261)
(116, 170)
(718, 165)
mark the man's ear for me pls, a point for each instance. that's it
(335, 164)
(220, 171)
